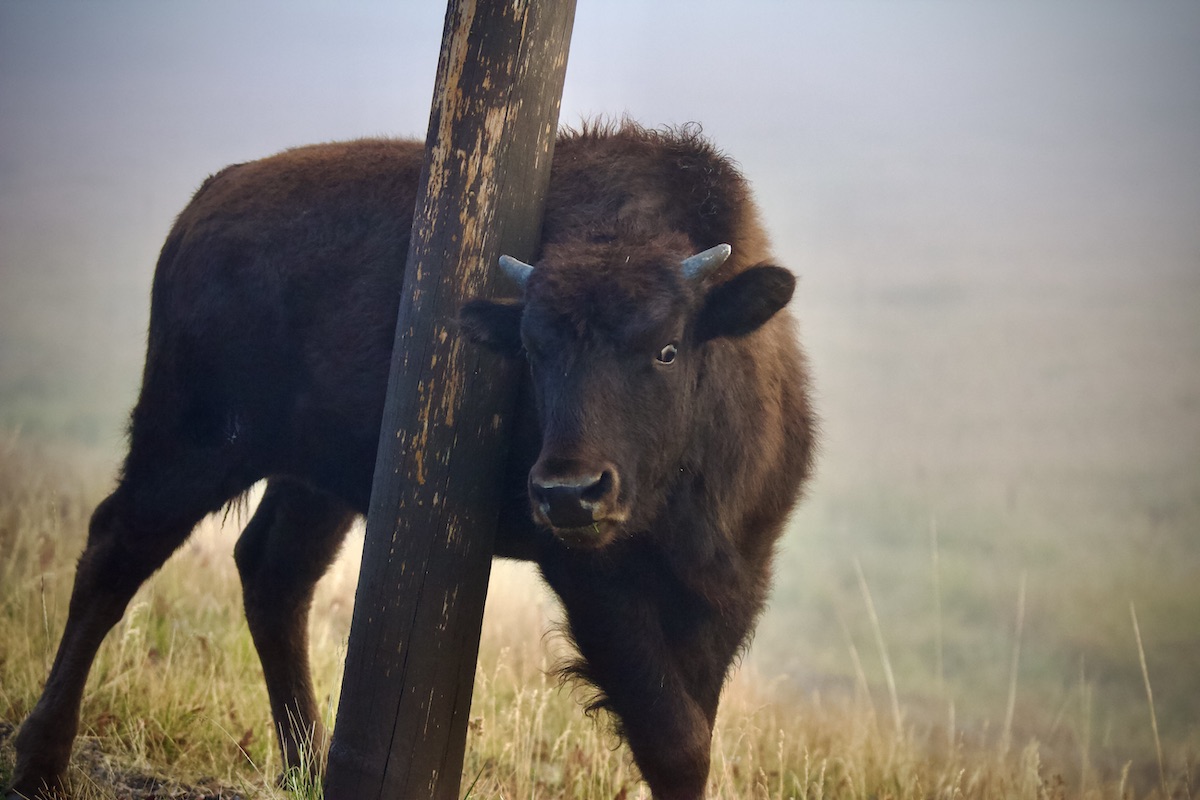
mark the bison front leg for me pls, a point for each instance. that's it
(670, 736)
(285, 549)
(658, 655)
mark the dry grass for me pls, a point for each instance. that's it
(177, 689)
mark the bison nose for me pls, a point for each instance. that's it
(573, 499)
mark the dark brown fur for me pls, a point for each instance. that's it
(272, 318)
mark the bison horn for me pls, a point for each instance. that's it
(518, 271)
(697, 266)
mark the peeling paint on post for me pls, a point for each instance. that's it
(402, 722)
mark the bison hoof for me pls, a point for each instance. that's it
(37, 778)
(40, 789)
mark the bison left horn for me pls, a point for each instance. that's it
(697, 266)
(518, 271)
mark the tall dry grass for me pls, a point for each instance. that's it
(176, 690)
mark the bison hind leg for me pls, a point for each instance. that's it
(162, 494)
(287, 546)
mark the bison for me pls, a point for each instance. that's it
(663, 437)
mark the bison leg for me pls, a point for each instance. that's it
(670, 737)
(131, 533)
(658, 658)
(285, 549)
(669, 732)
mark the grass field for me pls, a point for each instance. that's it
(177, 691)
(1020, 443)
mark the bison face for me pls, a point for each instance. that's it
(616, 339)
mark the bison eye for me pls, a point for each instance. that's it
(667, 354)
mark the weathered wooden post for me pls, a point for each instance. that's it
(402, 722)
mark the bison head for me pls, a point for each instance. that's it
(620, 341)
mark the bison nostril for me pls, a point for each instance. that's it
(599, 489)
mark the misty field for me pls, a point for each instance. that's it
(1010, 475)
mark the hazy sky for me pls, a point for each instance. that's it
(870, 128)
(894, 145)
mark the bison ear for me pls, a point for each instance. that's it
(744, 302)
(494, 324)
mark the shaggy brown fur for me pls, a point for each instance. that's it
(664, 437)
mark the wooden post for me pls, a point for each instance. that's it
(402, 722)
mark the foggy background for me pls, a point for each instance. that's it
(994, 211)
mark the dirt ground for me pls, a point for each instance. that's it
(109, 779)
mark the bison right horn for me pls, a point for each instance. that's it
(697, 266)
(518, 271)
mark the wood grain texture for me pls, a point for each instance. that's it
(402, 721)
